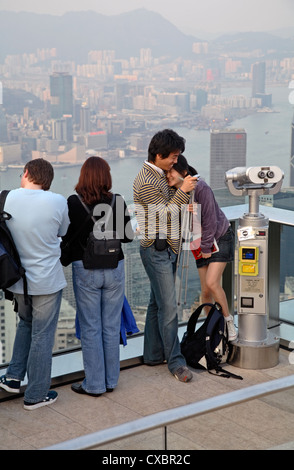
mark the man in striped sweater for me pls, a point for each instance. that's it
(158, 213)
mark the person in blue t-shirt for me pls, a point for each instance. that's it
(39, 218)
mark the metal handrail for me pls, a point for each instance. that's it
(167, 417)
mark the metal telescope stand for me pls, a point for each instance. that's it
(255, 347)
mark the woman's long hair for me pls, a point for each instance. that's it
(183, 167)
(95, 180)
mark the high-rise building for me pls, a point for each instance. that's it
(292, 155)
(227, 151)
(85, 123)
(258, 78)
(258, 84)
(122, 90)
(62, 129)
(146, 57)
(201, 98)
(61, 95)
(3, 125)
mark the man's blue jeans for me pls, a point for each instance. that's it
(161, 327)
(34, 341)
(99, 296)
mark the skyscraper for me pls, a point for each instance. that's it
(85, 123)
(122, 90)
(3, 125)
(146, 57)
(258, 78)
(61, 95)
(227, 151)
(62, 129)
(258, 84)
(292, 155)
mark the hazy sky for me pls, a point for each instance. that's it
(189, 16)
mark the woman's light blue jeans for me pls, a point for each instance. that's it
(99, 296)
(34, 341)
(161, 327)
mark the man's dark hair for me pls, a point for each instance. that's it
(163, 143)
(41, 172)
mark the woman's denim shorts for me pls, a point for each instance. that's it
(226, 250)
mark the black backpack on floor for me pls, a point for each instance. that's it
(209, 341)
(11, 269)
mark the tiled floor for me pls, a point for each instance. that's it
(264, 423)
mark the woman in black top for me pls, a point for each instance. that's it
(99, 293)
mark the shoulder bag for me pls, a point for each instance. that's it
(103, 246)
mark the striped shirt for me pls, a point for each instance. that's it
(158, 207)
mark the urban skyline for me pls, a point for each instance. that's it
(116, 102)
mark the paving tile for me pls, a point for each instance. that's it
(265, 423)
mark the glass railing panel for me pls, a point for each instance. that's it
(287, 274)
(137, 284)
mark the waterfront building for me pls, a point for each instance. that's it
(258, 78)
(227, 151)
(61, 95)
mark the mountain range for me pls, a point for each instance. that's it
(74, 34)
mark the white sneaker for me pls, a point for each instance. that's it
(50, 398)
(231, 328)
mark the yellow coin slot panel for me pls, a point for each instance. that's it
(248, 260)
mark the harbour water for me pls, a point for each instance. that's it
(268, 143)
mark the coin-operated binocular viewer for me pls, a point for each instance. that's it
(255, 347)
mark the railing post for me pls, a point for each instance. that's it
(274, 273)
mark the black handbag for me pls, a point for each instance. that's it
(103, 246)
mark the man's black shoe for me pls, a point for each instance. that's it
(79, 389)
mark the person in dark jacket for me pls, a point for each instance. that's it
(99, 293)
(214, 226)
